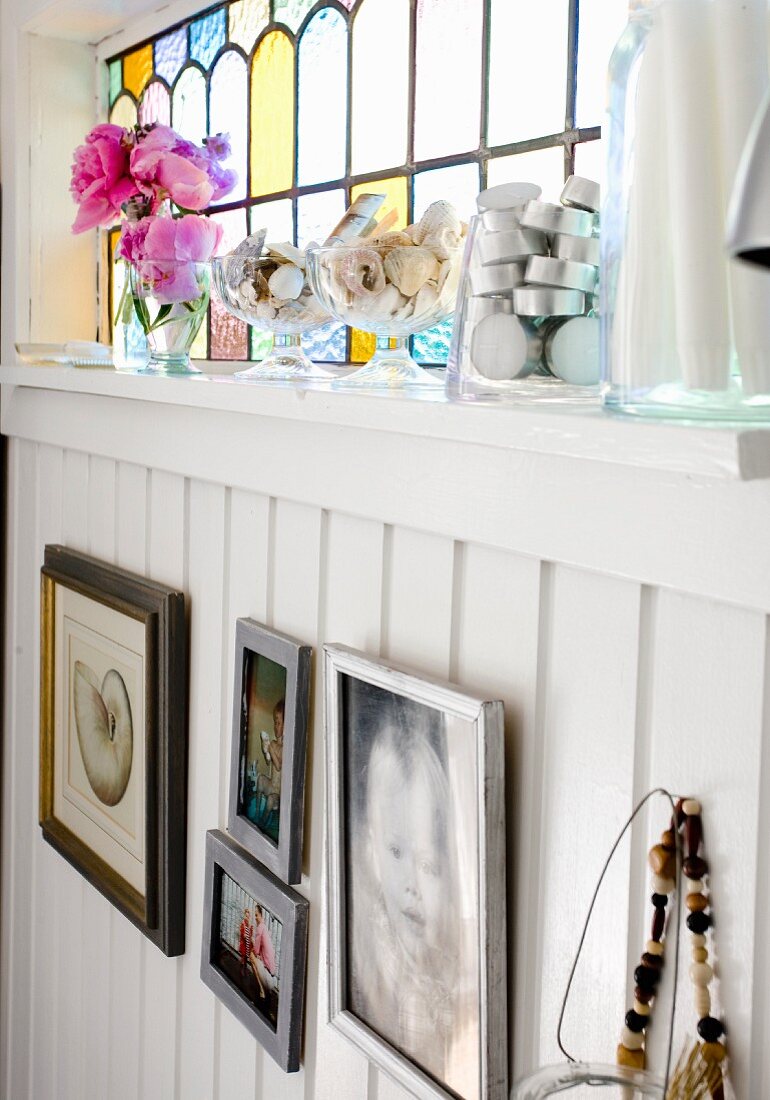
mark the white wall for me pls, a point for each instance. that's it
(611, 684)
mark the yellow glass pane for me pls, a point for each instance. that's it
(137, 70)
(362, 345)
(272, 115)
(247, 19)
(124, 112)
(395, 192)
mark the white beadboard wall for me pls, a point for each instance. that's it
(323, 516)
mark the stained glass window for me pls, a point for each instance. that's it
(416, 99)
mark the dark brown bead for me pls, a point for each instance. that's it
(695, 867)
(658, 924)
(709, 1028)
(693, 834)
(660, 901)
(696, 903)
(679, 814)
(643, 996)
(662, 861)
(637, 1023)
(655, 961)
(698, 923)
(647, 977)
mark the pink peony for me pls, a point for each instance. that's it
(166, 165)
(101, 181)
(190, 237)
(166, 251)
(132, 238)
(169, 281)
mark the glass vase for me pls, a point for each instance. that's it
(129, 344)
(170, 299)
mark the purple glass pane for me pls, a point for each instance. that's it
(155, 105)
(432, 346)
(327, 344)
(207, 36)
(171, 54)
(228, 103)
(323, 92)
(449, 77)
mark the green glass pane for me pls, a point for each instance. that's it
(323, 95)
(380, 60)
(116, 80)
(448, 89)
(291, 12)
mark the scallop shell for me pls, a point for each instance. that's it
(443, 243)
(410, 268)
(425, 300)
(263, 311)
(361, 271)
(286, 281)
(449, 277)
(386, 304)
(287, 251)
(388, 241)
(439, 216)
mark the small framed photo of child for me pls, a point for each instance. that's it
(255, 948)
(267, 769)
(416, 876)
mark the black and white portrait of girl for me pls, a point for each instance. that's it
(412, 927)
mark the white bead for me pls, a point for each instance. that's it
(701, 974)
(631, 1040)
(654, 948)
(693, 885)
(697, 939)
(640, 1009)
(691, 806)
(662, 885)
(702, 999)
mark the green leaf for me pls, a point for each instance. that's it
(163, 312)
(142, 314)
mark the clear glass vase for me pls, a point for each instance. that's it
(129, 343)
(685, 332)
(170, 298)
(583, 1081)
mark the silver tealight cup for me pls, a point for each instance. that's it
(497, 278)
(582, 194)
(548, 301)
(550, 218)
(551, 271)
(510, 245)
(584, 250)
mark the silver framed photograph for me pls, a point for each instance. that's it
(254, 948)
(267, 762)
(416, 876)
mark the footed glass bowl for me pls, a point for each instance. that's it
(586, 1081)
(272, 295)
(392, 292)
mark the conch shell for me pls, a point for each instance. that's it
(361, 271)
(388, 241)
(409, 268)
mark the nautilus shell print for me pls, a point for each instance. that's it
(105, 731)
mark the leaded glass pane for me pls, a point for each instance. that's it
(228, 108)
(318, 214)
(449, 76)
(544, 167)
(396, 197)
(327, 344)
(124, 112)
(432, 346)
(599, 29)
(527, 70)
(272, 115)
(247, 19)
(116, 79)
(137, 70)
(200, 345)
(362, 345)
(459, 184)
(188, 108)
(380, 61)
(323, 87)
(590, 157)
(277, 217)
(171, 54)
(207, 37)
(155, 105)
(229, 336)
(291, 12)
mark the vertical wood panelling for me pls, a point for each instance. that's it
(706, 735)
(496, 629)
(161, 977)
(759, 1067)
(588, 784)
(206, 578)
(351, 614)
(240, 1058)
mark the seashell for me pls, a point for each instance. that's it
(411, 232)
(247, 292)
(425, 300)
(286, 281)
(287, 251)
(388, 241)
(439, 216)
(449, 277)
(406, 311)
(443, 243)
(261, 284)
(105, 731)
(264, 311)
(410, 268)
(361, 271)
(386, 304)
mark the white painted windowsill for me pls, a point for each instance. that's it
(579, 432)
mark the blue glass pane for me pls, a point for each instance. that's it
(207, 36)
(327, 344)
(318, 214)
(432, 346)
(228, 107)
(458, 184)
(323, 91)
(116, 80)
(171, 54)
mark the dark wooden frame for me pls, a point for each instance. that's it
(284, 858)
(285, 1043)
(160, 913)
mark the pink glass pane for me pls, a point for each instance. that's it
(449, 77)
(155, 105)
(323, 94)
(380, 60)
(229, 336)
(228, 106)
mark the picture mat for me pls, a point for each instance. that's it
(269, 688)
(431, 1006)
(115, 834)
